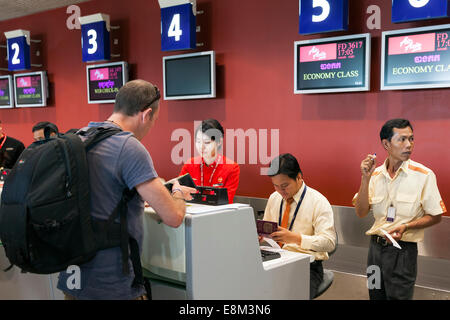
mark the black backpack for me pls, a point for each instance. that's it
(45, 220)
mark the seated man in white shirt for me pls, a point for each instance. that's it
(307, 223)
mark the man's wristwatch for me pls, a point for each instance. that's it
(406, 226)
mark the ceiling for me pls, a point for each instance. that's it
(18, 8)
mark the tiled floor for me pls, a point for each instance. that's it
(354, 287)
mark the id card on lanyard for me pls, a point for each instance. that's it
(296, 210)
(212, 174)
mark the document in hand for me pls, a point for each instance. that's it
(184, 180)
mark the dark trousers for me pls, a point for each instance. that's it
(391, 272)
(316, 277)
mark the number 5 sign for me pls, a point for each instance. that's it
(18, 43)
(410, 10)
(316, 16)
(95, 39)
(178, 24)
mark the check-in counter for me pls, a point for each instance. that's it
(215, 254)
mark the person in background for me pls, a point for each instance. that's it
(211, 168)
(304, 216)
(38, 130)
(404, 198)
(10, 149)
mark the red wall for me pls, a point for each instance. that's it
(253, 39)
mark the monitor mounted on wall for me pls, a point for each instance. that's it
(105, 80)
(31, 89)
(6, 92)
(190, 76)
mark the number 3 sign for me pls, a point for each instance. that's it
(95, 39)
(18, 43)
(316, 16)
(178, 24)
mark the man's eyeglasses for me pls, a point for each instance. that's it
(157, 97)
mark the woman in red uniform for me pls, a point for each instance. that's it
(211, 168)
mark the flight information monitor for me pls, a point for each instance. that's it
(416, 58)
(338, 64)
(105, 80)
(31, 89)
(190, 76)
(6, 92)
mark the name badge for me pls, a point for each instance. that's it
(391, 214)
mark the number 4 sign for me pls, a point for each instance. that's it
(178, 24)
(95, 37)
(18, 43)
(316, 16)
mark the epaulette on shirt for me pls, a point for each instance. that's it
(376, 172)
(417, 169)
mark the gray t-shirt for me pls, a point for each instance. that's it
(115, 163)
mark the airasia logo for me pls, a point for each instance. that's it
(409, 45)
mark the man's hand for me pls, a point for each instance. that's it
(185, 191)
(368, 165)
(286, 236)
(397, 233)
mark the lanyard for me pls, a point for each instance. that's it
(1, 145)
(296, 210)
(212, 174)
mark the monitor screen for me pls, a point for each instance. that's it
(338, 64)
(416, 58)
(31, 89)
(190, 76)
(6, 92)
(105, 80)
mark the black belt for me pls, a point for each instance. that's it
(381, 241)
(384, 242)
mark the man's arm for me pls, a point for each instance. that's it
(170, 208)
(426, 221)
(362, 205)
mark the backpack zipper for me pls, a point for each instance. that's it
(67, 164)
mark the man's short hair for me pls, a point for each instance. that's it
(41, 125)
(136, 96)
(212, 128)
(286, 164)
(387, 131)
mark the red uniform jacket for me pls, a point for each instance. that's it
(225, 174)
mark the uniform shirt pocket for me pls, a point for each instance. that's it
(405, 203)
(376, 204)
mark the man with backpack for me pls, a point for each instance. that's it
(117, 163)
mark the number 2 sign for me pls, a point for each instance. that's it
(18, 43)
(95, 37)
(178, 24)
(316, 16)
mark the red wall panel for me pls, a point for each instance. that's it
(329, 133)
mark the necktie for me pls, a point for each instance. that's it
(285, 220)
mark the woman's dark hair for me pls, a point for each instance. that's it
(286, 164)
(212, 128)
(387, 131)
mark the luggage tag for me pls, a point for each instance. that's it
(391, 214)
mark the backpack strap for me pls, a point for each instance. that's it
(96, 134)
(111, 234)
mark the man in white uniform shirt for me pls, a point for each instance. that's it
(304, 216)
(404, 199)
